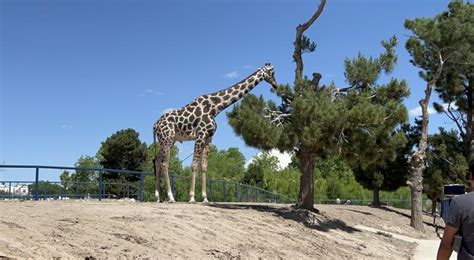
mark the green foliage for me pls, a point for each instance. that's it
(81, 181)
(261, 170)
(456, 84)
(123, 151)
(248, 120)
(447, 33)
(227, 164)
(285, 182)
(47, 189)
(316, 121)
(336, 180)
(85, 161)
(306, 44)
(362, 72)
(175, 165)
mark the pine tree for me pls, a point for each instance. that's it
(456, 84)
(433, 49)
(376, 149)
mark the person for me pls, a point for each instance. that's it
(460, 218)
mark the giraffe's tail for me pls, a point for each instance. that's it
(155, 132)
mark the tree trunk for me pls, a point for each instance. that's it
(415, 183)
(417, 161)
(306, 195)
(297, 53)
(376, 198)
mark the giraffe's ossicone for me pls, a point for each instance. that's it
(195, 121)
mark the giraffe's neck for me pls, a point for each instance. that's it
(226, 97)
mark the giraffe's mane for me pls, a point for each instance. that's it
(242, 81)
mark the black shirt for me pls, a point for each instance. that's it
(461, 215)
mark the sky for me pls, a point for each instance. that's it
(72, 73)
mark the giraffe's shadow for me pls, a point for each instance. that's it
(313, 220)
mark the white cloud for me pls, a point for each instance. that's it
(414, 112)
(166, 110)
(283, 158)
(66, 126)
(232, 75)
(150, 91)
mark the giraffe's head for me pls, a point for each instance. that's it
(269, 75)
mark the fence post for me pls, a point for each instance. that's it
(142, 186)
(172, 185)
(247, 193)
(128, 190)
(45, 191)
(237, 193)
(224, 191)
(101, 187)
(210, 190)
(37, 184)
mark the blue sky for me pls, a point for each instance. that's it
(75, 72)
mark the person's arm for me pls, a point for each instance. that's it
(446, 245)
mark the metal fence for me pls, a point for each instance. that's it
(218, 190)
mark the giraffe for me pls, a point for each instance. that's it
(195, 121)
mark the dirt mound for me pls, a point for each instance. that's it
(92, 229)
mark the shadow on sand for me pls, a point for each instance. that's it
(408, 216)
(310, 219)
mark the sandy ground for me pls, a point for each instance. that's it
(92, 229)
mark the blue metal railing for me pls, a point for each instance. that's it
(101, 194)
(218, 189)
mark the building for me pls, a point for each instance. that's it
(3, 188)
(17, 190)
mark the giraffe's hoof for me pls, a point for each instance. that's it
(171, 201)
(205, 201)
(192, 201)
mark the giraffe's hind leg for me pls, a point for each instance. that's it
(164, 164)
(157, 169)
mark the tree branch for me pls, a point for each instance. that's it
(276, 117)
(297, 54)
(450, 114)
(424, 105)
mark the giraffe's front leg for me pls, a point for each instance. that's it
(205, 154)
(197, 154)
